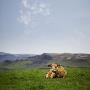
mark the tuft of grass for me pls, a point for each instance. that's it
(34, 79)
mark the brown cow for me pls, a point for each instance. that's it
(58, 70)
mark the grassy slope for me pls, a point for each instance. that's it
(20, 64)
(77, 79)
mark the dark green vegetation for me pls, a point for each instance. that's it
(34, 79)
(18, 64)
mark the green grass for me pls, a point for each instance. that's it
(34, 79)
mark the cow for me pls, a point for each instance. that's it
(56, 70)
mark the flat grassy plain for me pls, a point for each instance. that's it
(34, 79)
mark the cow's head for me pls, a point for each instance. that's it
(54, 66)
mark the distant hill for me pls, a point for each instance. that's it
(7, 56)
(29, 61)
(66, 59)
(12, 57)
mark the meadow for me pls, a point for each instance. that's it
(34, 79)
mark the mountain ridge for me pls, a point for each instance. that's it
(65, 59)
(8, 56)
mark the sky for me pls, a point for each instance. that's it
(45, 26)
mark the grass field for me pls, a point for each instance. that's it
(34, 79)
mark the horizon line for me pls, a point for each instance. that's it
(47, 52)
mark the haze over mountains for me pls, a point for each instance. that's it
(31, 60)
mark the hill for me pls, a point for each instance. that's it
(65, 59)
(12, 57)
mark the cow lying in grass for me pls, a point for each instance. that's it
(56, 71)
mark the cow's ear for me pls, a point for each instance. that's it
(58, 64)
(49, 65)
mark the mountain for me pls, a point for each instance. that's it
(29, 61)
(69, 59)
(7, 56)
(24, 56)
(40, 60)
(66, 59)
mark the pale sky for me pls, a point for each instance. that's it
(45, 26)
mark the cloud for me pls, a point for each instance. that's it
(40, 9)
(25, 17)
(29, 9)
(25, 14)
(25, 3)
